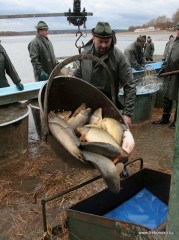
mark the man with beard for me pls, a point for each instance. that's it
(102, 46)
(42, 53)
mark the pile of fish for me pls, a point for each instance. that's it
(90, 137)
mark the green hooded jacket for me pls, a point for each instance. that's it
(149, 50)
(95, 74)
(6, 67)
(171, 83)
(135, 55)
(42, 55)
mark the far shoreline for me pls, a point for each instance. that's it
(56, 32)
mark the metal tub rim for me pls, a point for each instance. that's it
(17, 119)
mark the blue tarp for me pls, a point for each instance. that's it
(144, 209)
(156, 66)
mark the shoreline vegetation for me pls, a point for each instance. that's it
(159, 23)
(14, 33)
(72, 31)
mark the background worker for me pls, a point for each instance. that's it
(42, 53)
(6, 67)
(102, 46)
(149, 49)
(168, 47)
(135, 53)
(171, 82)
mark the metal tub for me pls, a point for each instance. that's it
(13, 130)
(86, 220)
(143, 107)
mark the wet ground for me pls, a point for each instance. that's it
(154, 143)
(37, 174)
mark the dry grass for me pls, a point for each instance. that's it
(25, 181)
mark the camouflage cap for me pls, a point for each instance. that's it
(142, 38)
(103, 30)
(177, 26)
(41, 25)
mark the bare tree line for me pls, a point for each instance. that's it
(162, 23)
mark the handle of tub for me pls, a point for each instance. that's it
(55, 73)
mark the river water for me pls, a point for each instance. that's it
(64, 45)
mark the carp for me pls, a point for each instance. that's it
(106, 168)
(114, 128)
(63, 136)
(96, 118)
(105, 149)
(120, 167)
(80, 119)
(93, 134)
(64, 115)
(52, 118)
(81, 107)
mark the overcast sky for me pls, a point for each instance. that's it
(121, 14)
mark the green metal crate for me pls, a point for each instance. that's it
(86, 221)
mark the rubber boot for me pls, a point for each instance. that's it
(166, 112)
(173, 124)
(164, 120)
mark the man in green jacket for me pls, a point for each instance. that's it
(170, 83)
(42, 53)
(102, 46)
(149, 49)
(6, 67)
(135, 53)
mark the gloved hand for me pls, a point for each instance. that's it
(43, 76)
(162, 70)
(140, 68)
(20, 86)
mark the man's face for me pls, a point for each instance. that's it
(141, 43)
(102, 45)
(43, 32)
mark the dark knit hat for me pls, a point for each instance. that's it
(41, 25)
(102, 30)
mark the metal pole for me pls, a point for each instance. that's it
(44, 201)
(173, 214)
